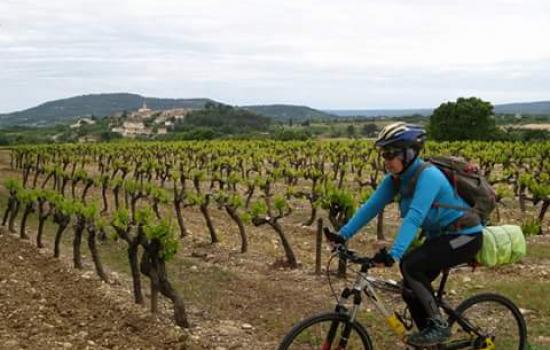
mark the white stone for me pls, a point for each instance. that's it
(525, 311)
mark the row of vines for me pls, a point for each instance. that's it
(141, 193)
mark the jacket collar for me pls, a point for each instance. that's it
(410, 171)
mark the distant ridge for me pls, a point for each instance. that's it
(68, 109)
(540, 107)
(379, 112)
(284, 112)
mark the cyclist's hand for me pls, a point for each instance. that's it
(382, 258)
(334, 240)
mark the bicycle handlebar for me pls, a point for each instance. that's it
(344, 253)
(352, 256)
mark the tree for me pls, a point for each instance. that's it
(465, 119)
(350, 130)
(109, 135)
(369, 129)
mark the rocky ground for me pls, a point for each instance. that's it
(45, 304)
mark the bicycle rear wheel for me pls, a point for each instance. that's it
(498, 320)
(324, 332)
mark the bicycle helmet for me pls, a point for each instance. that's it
(401, 135)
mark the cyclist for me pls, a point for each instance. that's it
(452, 236)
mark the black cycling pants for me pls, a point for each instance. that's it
(421, 266)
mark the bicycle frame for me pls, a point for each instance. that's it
(367, 284)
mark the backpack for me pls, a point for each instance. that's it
(467, 182)
(501, 245)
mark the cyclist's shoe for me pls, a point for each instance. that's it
(437, 332)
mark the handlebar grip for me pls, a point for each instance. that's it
(333, 237)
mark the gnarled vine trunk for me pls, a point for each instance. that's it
(235, 216)
(92, 233)
(77, 240)
(154, 267)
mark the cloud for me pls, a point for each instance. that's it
(350, 54)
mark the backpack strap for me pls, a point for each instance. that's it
(456, 207)
(409, 190)
(469, 219)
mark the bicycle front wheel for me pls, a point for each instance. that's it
(327, 332)
(495, 317)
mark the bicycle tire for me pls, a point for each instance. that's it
(511, 341)
(359, 333)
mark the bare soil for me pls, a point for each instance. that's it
(46, 305)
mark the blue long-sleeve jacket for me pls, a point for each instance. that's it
(417, 211)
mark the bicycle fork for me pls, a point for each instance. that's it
(344, 336)
(360, 283)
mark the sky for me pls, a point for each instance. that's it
(346, 54)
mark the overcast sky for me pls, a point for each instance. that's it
(324, 54)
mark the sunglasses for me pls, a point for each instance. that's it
(389, 155)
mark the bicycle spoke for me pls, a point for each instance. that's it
(326, 334)
(494, 322)
(316, 338)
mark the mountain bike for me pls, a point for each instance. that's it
(485, 321)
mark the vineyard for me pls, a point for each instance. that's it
(227, 231)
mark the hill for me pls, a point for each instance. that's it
(66, 110)
(283, 112)
(542, 107)
(69, 109)
(224, 120)
(380, 112)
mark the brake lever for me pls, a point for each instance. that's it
(346, 253)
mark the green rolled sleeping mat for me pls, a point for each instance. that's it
(501, 245)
